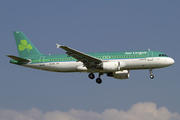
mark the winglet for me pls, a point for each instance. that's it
(58, 45)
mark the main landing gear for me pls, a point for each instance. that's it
(151, 75)
(91, 76)
(98, 80)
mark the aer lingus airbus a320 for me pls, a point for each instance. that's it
(114, 64)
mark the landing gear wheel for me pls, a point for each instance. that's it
(98, 80)
(151, 76)
(91, 76)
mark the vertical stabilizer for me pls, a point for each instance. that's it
(24, 46)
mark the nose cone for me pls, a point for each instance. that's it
(170, 61)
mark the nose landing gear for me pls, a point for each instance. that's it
(151, 76)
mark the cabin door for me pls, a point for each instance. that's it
(150, 55)
(41, 61)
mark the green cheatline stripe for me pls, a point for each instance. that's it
(72, 59)
(103, 56)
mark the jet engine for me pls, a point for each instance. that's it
(124, 74)
(111, 66)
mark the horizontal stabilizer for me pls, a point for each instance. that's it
(18, 59)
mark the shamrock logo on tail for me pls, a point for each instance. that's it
(24, 46)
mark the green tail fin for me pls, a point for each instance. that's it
(24, 46)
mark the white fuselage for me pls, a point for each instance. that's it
(129, 64)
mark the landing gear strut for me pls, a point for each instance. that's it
(98, 80)
(151, 76)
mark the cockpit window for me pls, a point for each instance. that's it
(162, 55)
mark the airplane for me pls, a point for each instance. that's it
(114, 64)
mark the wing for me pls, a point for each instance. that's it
(87, 60)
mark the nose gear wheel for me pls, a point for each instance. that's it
(151, 76)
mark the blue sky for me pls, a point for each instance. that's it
(89, 26)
